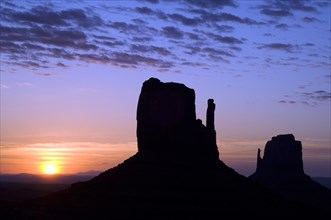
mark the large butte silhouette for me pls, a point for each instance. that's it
(176, 173)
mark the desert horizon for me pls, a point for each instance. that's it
(238, 154)
(182, 107)
(176, 169)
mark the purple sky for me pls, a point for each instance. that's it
(71, 75)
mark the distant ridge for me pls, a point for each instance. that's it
(176, 173)
(44, 178)
(88, 173)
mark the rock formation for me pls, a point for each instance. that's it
(281, 169)
(176, 173)
(167, 126)
(281, 154)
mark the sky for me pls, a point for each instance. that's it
(72, 71)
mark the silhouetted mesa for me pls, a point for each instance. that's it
(281, 169)
(282, 154)
(167, 124)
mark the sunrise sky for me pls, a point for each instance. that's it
(71, 74)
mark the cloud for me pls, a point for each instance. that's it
(286, 27)
(287, 61)
(281, 8)
(192, 49)
(125, 60)
(212, 53)
(27, 64)
(60, 53)
(276, 12)
(207, 16)
(103, 37)
(150, 12)
(286, 102)
(134, 59)
(42, 74)
(126, 28)
(305, 86)
(65, 38)
(80, 34)
(282, 26)
(172, 32)
(10, 4)
(224, 28)
(151, 1)
(145, 34)
(13, 33)
(235, 48)
(144, 10)
(139, 21)
(296, 5)
(33, 46)
(150, 49)
(311, 99)
(234, 18)
(45, 16)
(108, 41)
(193, 64)
(38, 15)
(300, 102)
(69, 32)
(10, 47)
(142, 39)
(48, 36)
(193, 36)
(81, 19)
(322, 4)
(184, 20)
(319, 95)
(308, 44)
(61, 65)
(225, 40)
(30, 36)
(210, 4)
(93, 58)
(280, 46)
(215, 52)
(310, 19)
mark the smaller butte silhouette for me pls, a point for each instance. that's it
(176, 173)
(281, 170)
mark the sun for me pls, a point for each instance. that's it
(50, 169)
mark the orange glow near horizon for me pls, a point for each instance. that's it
(63, 157)
(74, 157)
